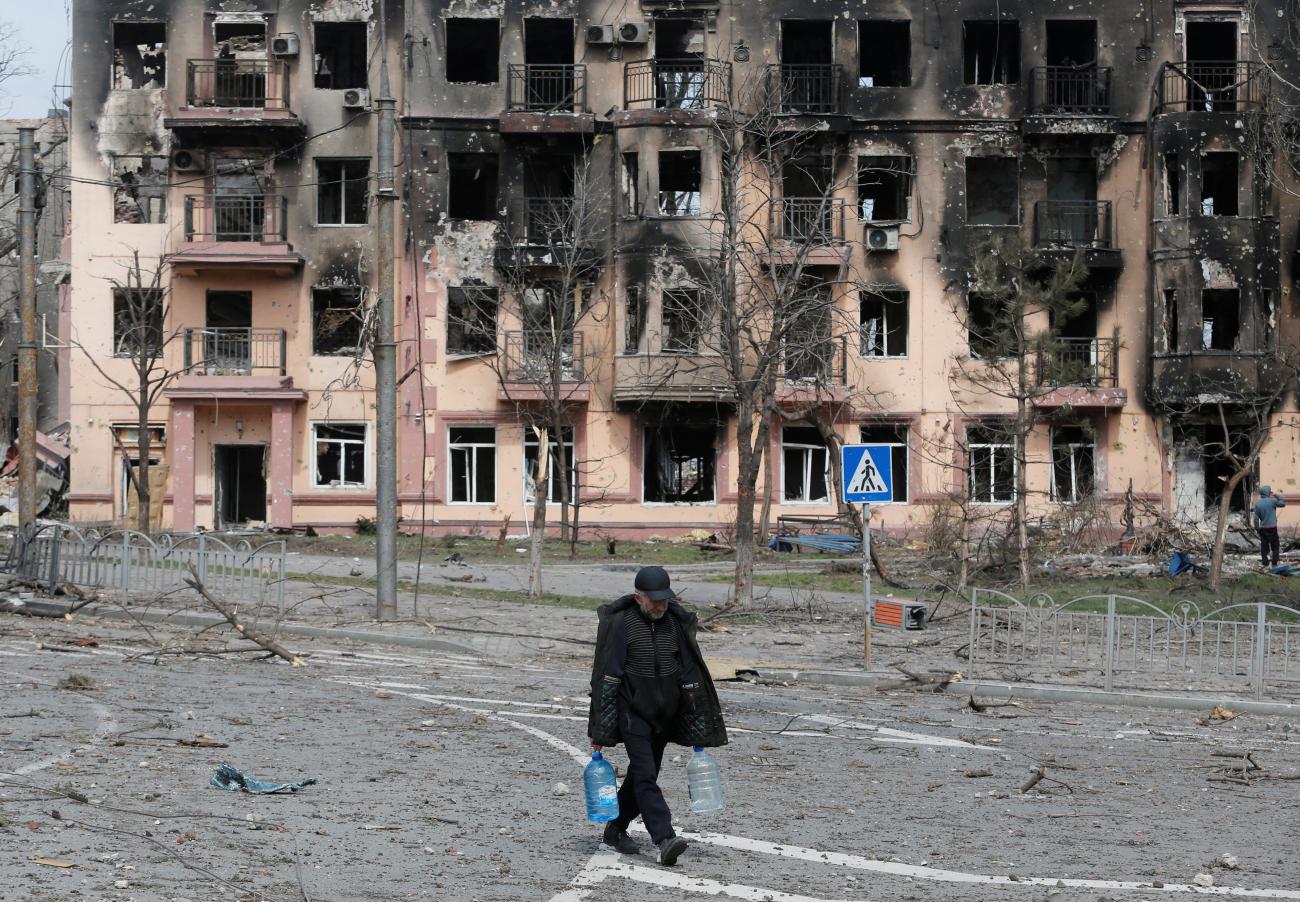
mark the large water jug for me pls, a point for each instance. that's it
(704, 782)
(601, 787)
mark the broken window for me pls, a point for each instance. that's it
(806, 42)
(992, 191)
(472, 50)
(341, 57)
(631, 184)
(472, 470)
(991, 53)
(1171, 320)
(1220, 318)
(1218, 446)
(1073, 453)
(679, 183)
(471, 320)
(895, 435)
(988, 327)
(1071, 43)
(472, 186)
(882, 322)
(137, 322)
(679, 466)
(884, 53)
(140, 188)
(1172, 184)
(341, 191)
(678, 38)
(340, 455)
(1212, 50)
(634, 319)
(531, 448)
(1219, 180)
(683, 320)
(885, 188)
(992, 467)
(139, 55)
(336, 319)
(805, 465)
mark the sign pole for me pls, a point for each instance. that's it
(868, 606)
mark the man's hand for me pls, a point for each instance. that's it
(596, 746)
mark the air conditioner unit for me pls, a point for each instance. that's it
(882, 238)
(189, 161)
(633, 32)
(284, 45)
(600, 34)
(356, 99)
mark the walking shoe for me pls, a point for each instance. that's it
(619, 840)
(669, 849)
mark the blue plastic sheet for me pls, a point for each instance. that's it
(234, 779)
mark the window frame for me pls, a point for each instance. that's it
(1071, 449)
(530, 483)
(992, 447)
(699, 310)
(903, 445)
(807, 454)
(473, 448)
(461, 353)
(366, 452)
(693, 211)
(159, 336)
(883, 336)
(908, 196)
(1019, 218)
(342, 182)
(645, 464)
(359, 297)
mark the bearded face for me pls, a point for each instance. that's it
(653, 610)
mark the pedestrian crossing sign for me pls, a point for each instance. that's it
(868, 473)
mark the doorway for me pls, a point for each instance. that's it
(1212, 64)
(240, 485)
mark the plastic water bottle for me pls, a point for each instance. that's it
(601, 788)
(704, 782)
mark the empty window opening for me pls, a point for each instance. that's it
(634, 319)
(140, 189)
(679, 466)
(337, 316)
(225, 347)
(472, 186)
(340, 454)
(137, 322)
(1073, 453)
(471, 320)
(992, 467)
(885, 188)
(1171, 320)
(805, 466)
(1219, 179)
(678, 38)
(631, 183)
(806, 42)
(341, 55)
(531, 448)
(240, 483)
(1211, 42)
(883, 322)
(992, 191)
(139, 55)
(1080, 320)
(472, 470)
(683, 320)
(551, 175)
(884, 53)
(1071, 44)
(807, 177)
(1220, 319)
(810, 352)
(472, 50)
(991, 53)
(895, 435)
(1171, 184)
(679, 183)
(1071, 179)
(239, 39)
(341, 191)
(1219, 468)
(548, 42)
(988, 327)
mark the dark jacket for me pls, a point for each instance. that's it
(699, 715)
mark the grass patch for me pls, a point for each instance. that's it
(456, 591)
(483, 550)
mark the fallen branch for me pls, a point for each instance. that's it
(938, 681)
(1034, 778)
(232, 617)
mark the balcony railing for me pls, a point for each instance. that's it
(816, 361)
(538, 88)
(809, 220)
(1070, 91)
(1211, 87)
(1089, 362)
(679, 84)
(234, 351)
(537, 357)
(1074, 223)
(807, 89)
(235, 217)
(237, 84)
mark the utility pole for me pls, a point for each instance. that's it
(385, 349)
(27, 315)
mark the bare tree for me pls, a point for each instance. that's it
(13, 61)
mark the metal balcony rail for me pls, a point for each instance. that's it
(1211, 87)
(678, 84)
(809, 220)
(1070, 91)
(237, 84)
(816, 360)
(538, 357)
(1090, 362)
(543, 221)
(812, 89)
(235, 217)
(1074, 223)
(234, 351)
(547, 88)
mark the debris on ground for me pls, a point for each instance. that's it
(1219, 715)
(233, 779)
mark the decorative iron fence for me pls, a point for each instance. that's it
(237, 84)
(1211, 87)
(531, 357)
(236, 217)
(812, 361)
(810, 220)
(234, 351)
(680, 84)
(537, 88)
(1074, 223)
(1078, 361)
(1070, 91)
(810, 89)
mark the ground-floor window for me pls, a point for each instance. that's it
(531, 449)
(680, 464)
(472, 469)
(992, 467)
(340, 454)
(1073, 455)
(895, 435)
(805, 465)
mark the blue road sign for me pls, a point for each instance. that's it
(868, 473)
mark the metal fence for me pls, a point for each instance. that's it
(1074, 223)
(1079, 361)
(1070, 90)
(810, 89)
(1108, 639)
(237, 84)
(676, 84)
(236, 217)
(131, 563)
(548, 88)
(1211, 87)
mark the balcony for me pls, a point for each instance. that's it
(1082, 373)
(810, 229)
(538, 365)
(814, 371)
(237, 102)
(1189, 379)
(670, 377)
(1211, 87)
(1063, 227)
(550, 231)
(806, 89)
(1065, 100)
(235, 232)
(546, 99)
(233, 363)
(663, 92)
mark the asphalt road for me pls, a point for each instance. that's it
(440, 778)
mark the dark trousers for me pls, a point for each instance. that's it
(1268, 540)
(640, 793)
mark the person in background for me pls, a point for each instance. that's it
(1266, 524)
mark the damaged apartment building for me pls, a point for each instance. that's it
(572, 213)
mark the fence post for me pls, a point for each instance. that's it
(1261, 646)
(1111, 637)
(126, 562)
(279, 587)
(54, 560)
(203, 558)
(974, 613)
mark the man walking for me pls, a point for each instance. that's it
(1266, 523)
(649, 687)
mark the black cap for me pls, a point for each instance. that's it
(653, 582)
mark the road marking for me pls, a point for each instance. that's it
(887, 734)
(107, 726)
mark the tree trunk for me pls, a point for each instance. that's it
(1221, 526)
(963, 566)
(746, 482)
(142, 496)
(540, 491)
(1021, 450)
